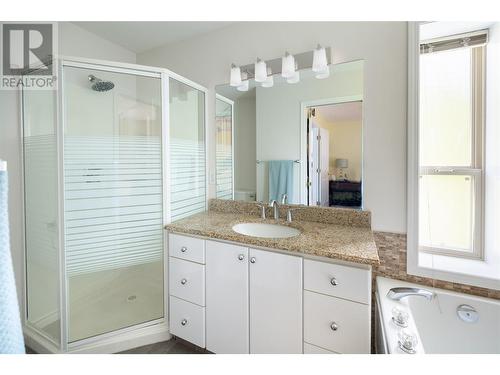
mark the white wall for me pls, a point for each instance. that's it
(382, 46)
(492, 152)
(345, 143)
(73, 41)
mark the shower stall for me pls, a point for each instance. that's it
(110, 157)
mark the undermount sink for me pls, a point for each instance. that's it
(265, 230)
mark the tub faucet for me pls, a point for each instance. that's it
(398, 293)
(274, 205)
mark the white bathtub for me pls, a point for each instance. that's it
(435, 323)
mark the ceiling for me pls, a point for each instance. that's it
(431, 30)
(343, 112)
(139, 37)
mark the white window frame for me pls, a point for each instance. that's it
(427, 266)
(475, 168)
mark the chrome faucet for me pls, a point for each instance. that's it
(401, 292)
(274, 205)
(284, 199)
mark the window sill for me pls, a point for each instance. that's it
(485, 274)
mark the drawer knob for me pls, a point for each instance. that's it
(184, 249)
(183, 281)
(334, 326)
(184, 322)
(253, 260)
(241, 257)
(334, 281)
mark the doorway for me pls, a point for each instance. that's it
(333, 144)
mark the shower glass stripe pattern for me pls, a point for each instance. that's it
(95, 262)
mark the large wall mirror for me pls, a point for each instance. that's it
(296, 142)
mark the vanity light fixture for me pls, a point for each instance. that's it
(287, 66)
(323, 74)
(320, 63)
(270, 80)
(260, 71)
(295, 78)
(319, 60)
(235, 80)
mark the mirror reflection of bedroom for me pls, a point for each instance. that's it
(334, 144)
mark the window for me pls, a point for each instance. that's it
(450, 147)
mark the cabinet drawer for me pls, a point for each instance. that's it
(187, 321)
(313, 349)
(352, 319)
(185, 247)
(337, 280)
(187, 280)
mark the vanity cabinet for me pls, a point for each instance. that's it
(231, 298)
(254, 300)
(227, 298)
(337, 307)
(275, 303)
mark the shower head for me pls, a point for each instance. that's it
(100, 85)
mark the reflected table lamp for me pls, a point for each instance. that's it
(342, 164)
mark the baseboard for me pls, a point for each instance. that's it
(118, 343)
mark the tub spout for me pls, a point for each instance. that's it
(398, 293)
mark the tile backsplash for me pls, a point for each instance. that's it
(392, 254)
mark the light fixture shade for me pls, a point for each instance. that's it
(260, 71)
(287, 66)
(235, 80)
(295, 78)
(324, 74)
(341, 163)
(244, 86)
(319, 60)
(269, 82)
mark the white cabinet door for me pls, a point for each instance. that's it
(275, 303)
(226, 298)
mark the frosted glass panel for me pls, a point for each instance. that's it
(187, 150)
(446, 206)
(445, 108)
(224, 149)
(41, 210)
(113, 201)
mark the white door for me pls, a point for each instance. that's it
(314, 166)
(226, 273)
(324, 161)
(275, 303)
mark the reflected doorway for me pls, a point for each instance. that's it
(334, 154)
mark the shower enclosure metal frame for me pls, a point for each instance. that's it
(142, 333)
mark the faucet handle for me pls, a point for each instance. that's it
(289, 214)
(262, 207)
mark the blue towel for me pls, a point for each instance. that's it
(11, 336)
(280, 179)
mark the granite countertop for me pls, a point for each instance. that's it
(348, 243)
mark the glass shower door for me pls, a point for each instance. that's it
(113, 203)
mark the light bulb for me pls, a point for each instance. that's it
(244, 86)
(320, 63)
(235, 80)
(294, 79)
(260, 71)
(323, 74)
(269, 82)
(287, 66)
